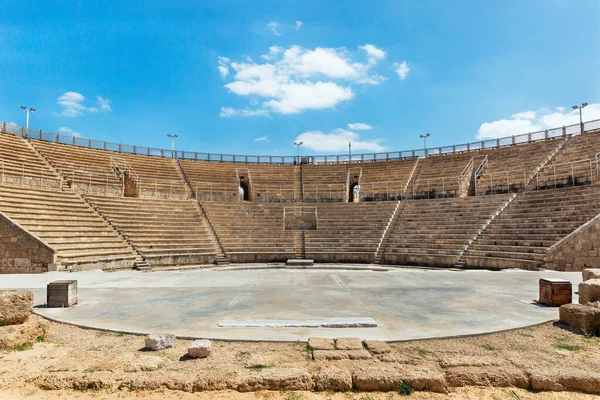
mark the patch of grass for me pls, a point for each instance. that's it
(120, 334)
(309, 354)
(405, 389)
(102, 333)
(40, 339)
(560, 344)
(242, 355)
(93, 349)
(2, 322)
(422, 352)
(489, 347)
(259, 367)
(22, 347)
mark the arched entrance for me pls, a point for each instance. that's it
(245, 192)
(354, 195)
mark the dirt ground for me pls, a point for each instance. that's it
(548, 361)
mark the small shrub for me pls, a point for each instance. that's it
(405, 389)
(560, 344)
(422, 352)
(22, 347)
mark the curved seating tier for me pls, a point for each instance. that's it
(81, 237)
(435, 232)
(520, 236)
(164, 232)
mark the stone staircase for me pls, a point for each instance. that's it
(380, 253)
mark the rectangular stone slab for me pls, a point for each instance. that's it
(360, 322)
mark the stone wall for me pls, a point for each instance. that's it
(578, 250)
(22, 252)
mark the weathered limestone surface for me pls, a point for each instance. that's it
(29, 331)
(582, 317)
(15, 306)
(591, 273)
(199, 349)
(145, 364)
(348, 344)
(159, 341)
(315, 343)
(589, 291)
(20, 251)
(577, 251)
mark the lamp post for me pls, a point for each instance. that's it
(173, 137)
(27, 111)
(298, 144)
(349, 151)
(582, 106)
(424, 137)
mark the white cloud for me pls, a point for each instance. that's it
(359, 126)
(402, 70)
(274, 27)
(262, 139)
(374, 53)
(104, 103)
(73, 104)
(12, 123)
(299, 25)
(223, 69)
(227, 112)
(533, 121)
(296, 79)
(337, 141)
(69, 131)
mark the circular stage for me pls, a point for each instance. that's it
(280, 304)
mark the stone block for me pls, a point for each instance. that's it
(159, 341)
(380, 379)
(341, 355)
(61, 294)
(274, 379)
(582, 317)
(315, 343)
(27, 332)
(199, 349)
(377, 347)
(145, 364)
(333, 378)
(591, 273)
(589, 291)
(348, 344)
(15, 306)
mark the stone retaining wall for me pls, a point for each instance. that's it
(578, 250)
(22, 252)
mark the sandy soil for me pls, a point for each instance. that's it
(81, 364)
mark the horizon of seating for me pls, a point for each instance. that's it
(98, 208)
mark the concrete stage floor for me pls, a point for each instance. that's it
(405, 303)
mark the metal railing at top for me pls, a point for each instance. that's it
(505, 182)
(574, 129)
(438, 185)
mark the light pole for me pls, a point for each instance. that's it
(424, 137)
(349, 151)
(173, 137)
(582, 106)
(298, 144)
(27, 111)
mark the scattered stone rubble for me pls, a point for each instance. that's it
(17, 326)
(585, 315)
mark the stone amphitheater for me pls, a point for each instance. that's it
(409, 245)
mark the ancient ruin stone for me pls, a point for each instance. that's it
(591, 273)
(15, 306)
(380, 378)
(199, 349)
(27, 332)
(145, 363)
(275, 379)
(589, 291)
(333, 378)
(495, 376)
(159, 341)
(582, 317)
(348, 344)
(315, 343)
(341, 355)
(377, 347)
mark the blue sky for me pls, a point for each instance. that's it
(223, 74)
